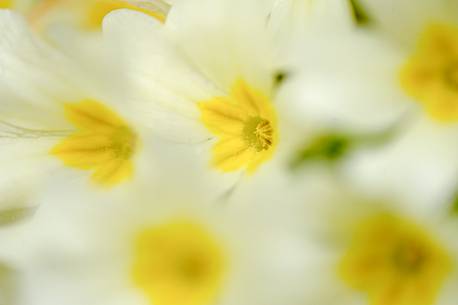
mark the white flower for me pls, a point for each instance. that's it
(61, 115)
(421, 159)
(360, 249)
(168, 243)
(213, 72)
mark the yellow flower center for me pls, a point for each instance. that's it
(395, 262)
(178, 263)
(89, 13)
(6, 3)
(246, 126)
(451, 75)
(98, 9)
(258, 133)
(102, 143)
(431, 74)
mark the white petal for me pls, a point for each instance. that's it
(348, 81)
(404, 19)
(148, 52)
(225, 40)
(164, 87)
(420, 165)
(29, 69)
(25, 164)
(294, 16)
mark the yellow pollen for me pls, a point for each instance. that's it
(102, 143)
(431, 74)
(258, 133)
(178, 263)
(245, 124)
(395, 262)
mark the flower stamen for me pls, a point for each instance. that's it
(258, 133)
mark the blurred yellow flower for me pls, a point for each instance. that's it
(178, 263)
(431, 74)
(5, 3)
(395, 262)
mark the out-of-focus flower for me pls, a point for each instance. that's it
(154, 246)
(367, 250)
(422, 158)
(316, 65)
(345, 111)
(429, 76)
(430, 40)
(326, 50)
(392, 259)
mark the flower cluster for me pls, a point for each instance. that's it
(228, 152)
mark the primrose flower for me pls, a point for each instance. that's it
(57, 116)
(365, 249)
(213, 73)
(422, 156)
(154, 246)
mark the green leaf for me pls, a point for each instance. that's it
(328, 148)
(334, 146)
(360, 15)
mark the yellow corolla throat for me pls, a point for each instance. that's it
(102, 143)
(431, 74)
(395, 262)
(98, 9)
(178, 263)
(245, 124)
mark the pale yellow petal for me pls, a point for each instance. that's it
(247, 98)
(92, 115)
(258, 159)
(231, 154)
(221, 116)
(84, 151)
(113, 172)
(103, 143)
